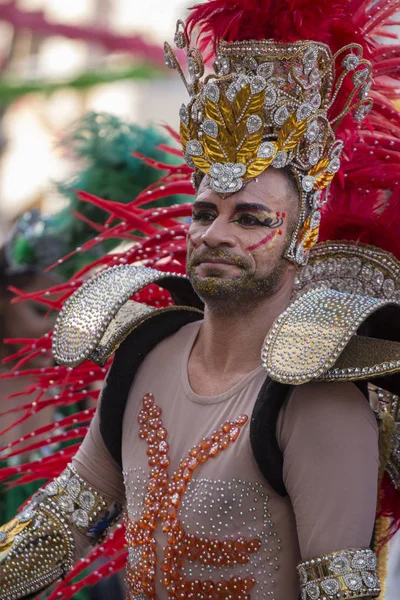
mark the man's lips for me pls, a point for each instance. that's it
(212, 261)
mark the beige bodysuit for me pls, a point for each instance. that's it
(212, 524)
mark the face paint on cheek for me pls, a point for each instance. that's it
(265, 240)
(275, 224)
(191, 240)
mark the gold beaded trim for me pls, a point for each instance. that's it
(387, 406)
(37, 546)
(40, 553)
(307, 339)
(129, 316)
(340, 576)
(85, 508)
(364, 358)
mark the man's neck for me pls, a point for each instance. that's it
(230, 342)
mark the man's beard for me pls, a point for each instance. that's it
(223, 294)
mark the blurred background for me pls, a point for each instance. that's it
(60, 59)
(82, 85)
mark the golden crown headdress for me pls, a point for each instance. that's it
(270, 103)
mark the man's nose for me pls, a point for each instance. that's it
(218, 234)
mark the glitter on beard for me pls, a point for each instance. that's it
(223, 294)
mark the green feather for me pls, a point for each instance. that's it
(104, 145)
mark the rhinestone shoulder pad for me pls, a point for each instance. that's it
(100, 310)
(308, 338)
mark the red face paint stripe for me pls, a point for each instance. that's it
(265, 240)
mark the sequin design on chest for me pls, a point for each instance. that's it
(170, 506)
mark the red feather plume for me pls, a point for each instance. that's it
(364, 207)
(335, 22)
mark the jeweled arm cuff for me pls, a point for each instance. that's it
(38, 546)
(340, 575)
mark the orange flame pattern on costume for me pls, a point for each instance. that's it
(161, 504)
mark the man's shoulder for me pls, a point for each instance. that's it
(322, 400)
(325, 414)
(329, 390)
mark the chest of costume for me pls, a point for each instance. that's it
(201, 519)
(322, 313)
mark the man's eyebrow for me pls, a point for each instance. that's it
(241, 206)
(203, 204)
(252, 206)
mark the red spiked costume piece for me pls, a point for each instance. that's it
(306, 69)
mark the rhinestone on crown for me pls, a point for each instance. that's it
(270, 104)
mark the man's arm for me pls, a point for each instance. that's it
(329, 438)
(62, 520)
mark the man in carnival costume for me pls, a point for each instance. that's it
(247, 477)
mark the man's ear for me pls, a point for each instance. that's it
(291, 269)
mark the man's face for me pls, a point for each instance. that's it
(236, 243)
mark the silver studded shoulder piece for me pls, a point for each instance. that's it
(313, 339)
(100, 314)
(340, 575)
(37, 547)
(316, 337)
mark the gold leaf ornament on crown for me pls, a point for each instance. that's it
(273, 104)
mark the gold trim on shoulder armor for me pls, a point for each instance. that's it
(340, 575)
(94, 311)
(129, 317)
(387, 406)
(363, 358)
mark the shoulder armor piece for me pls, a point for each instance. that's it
(99, 315)
(314, 338)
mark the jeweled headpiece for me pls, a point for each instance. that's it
(269, 103)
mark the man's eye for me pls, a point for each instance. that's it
(247, 220)
(203, 215)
